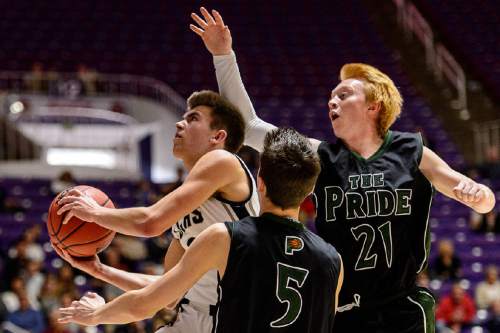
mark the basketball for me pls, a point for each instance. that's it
(79, 238)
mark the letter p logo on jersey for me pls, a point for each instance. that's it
(293, 244)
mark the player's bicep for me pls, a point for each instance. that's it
(213, 171)
(439, 173)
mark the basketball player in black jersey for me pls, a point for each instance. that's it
(374, 192)
(275, 275)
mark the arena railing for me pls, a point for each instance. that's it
(438, 58)
(14, 145)
(91, 84)
(486, 136)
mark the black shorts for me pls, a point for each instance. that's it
(410, 314)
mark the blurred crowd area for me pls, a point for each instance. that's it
(36, 283)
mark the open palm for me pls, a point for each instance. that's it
(213, 32)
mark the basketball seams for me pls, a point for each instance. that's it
(88, 243)
(55, 221)
(72, 232)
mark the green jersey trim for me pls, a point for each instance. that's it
(379, 152)
(284, 220)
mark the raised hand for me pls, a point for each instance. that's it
(215, 35)
(78, 204)
(81, 312)
(89, 265)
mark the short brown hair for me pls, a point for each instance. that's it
(224, 116)
(289, 167)
(379, 88)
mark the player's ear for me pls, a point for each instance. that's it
(219, 136)
(261, 187)
(374, 107)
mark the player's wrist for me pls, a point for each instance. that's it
(221, 54)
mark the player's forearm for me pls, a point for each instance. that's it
(231, 87)
(124, 280)
(121, 310)
(128, 221)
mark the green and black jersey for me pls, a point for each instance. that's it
(375, 212)
(280, 277)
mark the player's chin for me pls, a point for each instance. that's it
(177, 151)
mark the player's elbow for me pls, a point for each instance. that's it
(151, 226)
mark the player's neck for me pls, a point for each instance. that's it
(267, 207)
(364, 144)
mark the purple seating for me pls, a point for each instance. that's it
(471, 33)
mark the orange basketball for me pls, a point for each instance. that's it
(79, 238)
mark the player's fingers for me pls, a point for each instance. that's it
(199, 20)
(65, 320)
(67, 217)
(479, 195)
(57, 249)
(218, 17)
(471, 194)
(465, 192)
(74, 192)
(66, 208)
(458, 190)
(196, 30)
(207, 16)
(68, 199)
(67, 256)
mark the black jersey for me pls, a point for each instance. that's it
(280, 277)
(375, 212)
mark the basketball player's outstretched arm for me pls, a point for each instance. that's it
(216, 171)
(119, 278)
(208, 251)
(217, 39)
(455, 185)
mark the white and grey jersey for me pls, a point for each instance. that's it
(214, 210)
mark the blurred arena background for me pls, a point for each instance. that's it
(90, 92)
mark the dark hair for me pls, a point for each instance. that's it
(224, 116)
(289, 167)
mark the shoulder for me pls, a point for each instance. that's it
(324, 248)
(216, 232)
(331, 152)
(407, 145)
(219, 157)
(406, 140)
(219, 162)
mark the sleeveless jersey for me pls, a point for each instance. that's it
(375, 212)
(214, 210)
(280, 277)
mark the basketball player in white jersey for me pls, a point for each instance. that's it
(218, 188)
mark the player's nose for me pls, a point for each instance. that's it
(332, 104)
(180, 124)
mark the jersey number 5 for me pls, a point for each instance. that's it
(288, 294)
(367, 232)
